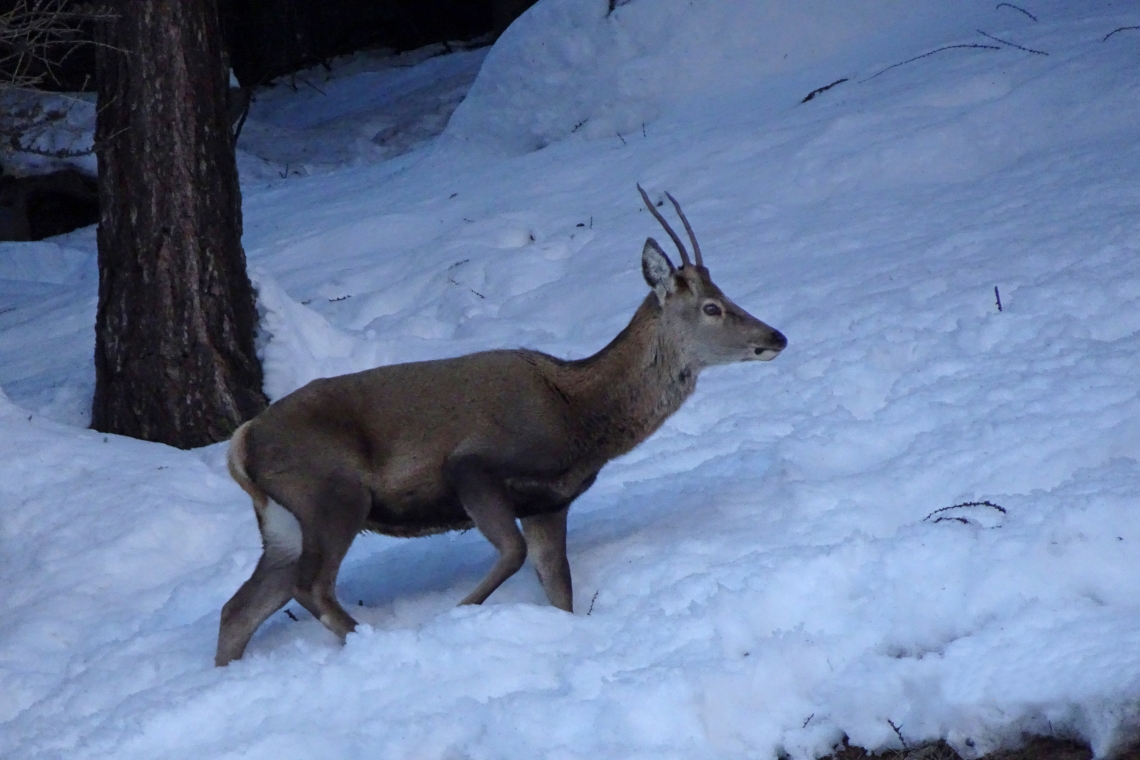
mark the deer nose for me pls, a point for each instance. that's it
(777, 342)
(773, 346)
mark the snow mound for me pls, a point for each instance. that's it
(296, 345)
(576, 67)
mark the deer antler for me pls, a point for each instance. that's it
(676, 240)
(688, 229)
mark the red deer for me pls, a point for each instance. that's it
(489, 440)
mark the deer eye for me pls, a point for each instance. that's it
(712, 310)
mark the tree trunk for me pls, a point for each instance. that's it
(174, 351)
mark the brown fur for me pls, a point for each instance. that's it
(480, 440)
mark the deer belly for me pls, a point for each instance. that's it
(407, 516)
(536, 496)
(411, 498)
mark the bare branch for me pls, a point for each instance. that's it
(37, 36)
(1012, 44)
(1016, 8)
(1120, 29)
(898, 732)
(823, 89)
(932, 52)
(986, 503)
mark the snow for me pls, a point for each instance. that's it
(765, 575)
(45, 132)
(372, 106)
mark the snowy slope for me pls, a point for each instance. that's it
(769, 572)
(371, 106)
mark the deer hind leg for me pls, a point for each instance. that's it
(546, 543)
(268, 589)
(339, 508)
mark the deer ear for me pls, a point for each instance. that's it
(657, 269)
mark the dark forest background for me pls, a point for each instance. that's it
(266, 39)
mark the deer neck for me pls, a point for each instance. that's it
(627, 390)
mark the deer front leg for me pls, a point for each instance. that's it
(486, 503)
(546, 542)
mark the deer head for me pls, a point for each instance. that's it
(708, 328)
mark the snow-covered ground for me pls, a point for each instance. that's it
(369, 107)
(769, 572)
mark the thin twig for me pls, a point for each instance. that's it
(825, 88)
(1017, 8)
(985, 503)
(31, 30)
(17, 147)
(899, 733)
(623, 142)
(456, 265)
(110, 138)
(1012, 44)
(614, 5)
(318, 89)
(932, 52)
(592, 600)
(242, 118)
(997, 295)
(1121, 29)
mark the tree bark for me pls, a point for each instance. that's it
(174, 332)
